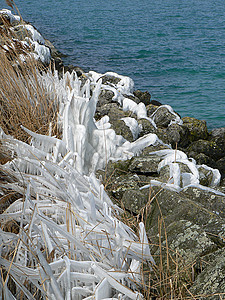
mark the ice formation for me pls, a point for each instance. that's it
(70, 236)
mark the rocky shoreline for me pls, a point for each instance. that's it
(194, 218)
(188, 219)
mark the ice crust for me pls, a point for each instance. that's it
(88, 252)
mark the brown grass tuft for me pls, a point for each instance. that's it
(23, 98)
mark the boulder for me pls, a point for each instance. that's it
(202, 159)
(197, 128)
(151, 109)
(194, 205)
(112, 110)
(162, 117)
(188, 240)
(210, 148)
(210, 283)
(177, 134)
(109, 79)
(218, 133)
(133, 98)
(205, 176)
(122, 129)
(209, 200)
(220, 165)
(105, 97)
(146, 165)
(143, 96)
(135, 200)
(146, 127)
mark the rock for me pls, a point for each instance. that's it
(218, 133)
(165, 172)
(220, 165)
(189, 241)
(197, 128)
(202, 159)
(163, 117)
(155, 102)
(118, 185)
(112, 110)
(122, 129)
(205, 176)
(209, 200)
(109, 79)
(143, 96)
(146, 127)
(199, 207)
(135, 200)
(133, 98)
(152, 148)
(105, 97)
(151, 109)
(210, 282)
(54, 52)
(209, 148)
(177, 134)
(146, 165)
(71, 68)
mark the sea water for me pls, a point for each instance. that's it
(175, 49)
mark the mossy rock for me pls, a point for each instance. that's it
(189, 241)
(205, 176)
(151, 109)
(209, 148)
(197, 128)
(143, 96)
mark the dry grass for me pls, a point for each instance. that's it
(23, 99)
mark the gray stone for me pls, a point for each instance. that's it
(146, 126)
(177, 134)
(220, 165)
(133, 98)
(145, 164)
(205, 176)
(109, 79)
(105, 97)
(135, 200)
(211, 281)
(209, 200)
(122, 129)
(163, 117)
(189, 241)
(202, 159)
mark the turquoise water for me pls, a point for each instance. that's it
(174, 49)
